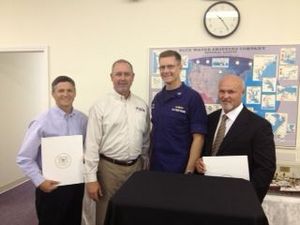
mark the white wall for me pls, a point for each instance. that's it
(86, 36)
(23, 94)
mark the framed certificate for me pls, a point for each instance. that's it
(62, 159)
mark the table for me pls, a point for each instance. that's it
(282, 209)
(155, 198)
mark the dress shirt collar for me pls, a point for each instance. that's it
(233, 114)
(62, 113)
(117, 96)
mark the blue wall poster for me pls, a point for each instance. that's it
(270, 73)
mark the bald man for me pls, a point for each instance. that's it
(245, 134)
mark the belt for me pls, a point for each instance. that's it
(120, 162)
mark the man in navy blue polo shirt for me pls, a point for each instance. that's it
(179, 120)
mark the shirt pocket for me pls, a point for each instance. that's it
(140, 121)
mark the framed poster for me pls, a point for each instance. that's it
(270, 73)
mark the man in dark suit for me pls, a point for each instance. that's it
(245, 134)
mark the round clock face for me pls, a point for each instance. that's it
(221, 19)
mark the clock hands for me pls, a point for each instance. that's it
(223, 22)
(221, 19)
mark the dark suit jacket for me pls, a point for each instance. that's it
(249, 135)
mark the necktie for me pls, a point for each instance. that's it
(220, 136)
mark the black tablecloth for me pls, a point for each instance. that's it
(154, 198)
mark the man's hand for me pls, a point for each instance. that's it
(48, 185)
(200, 166)
(94, 190)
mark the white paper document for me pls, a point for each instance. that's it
(227, 166)
(62, 159)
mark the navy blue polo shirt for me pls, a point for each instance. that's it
(176, 115)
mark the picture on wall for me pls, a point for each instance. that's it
(270, 73)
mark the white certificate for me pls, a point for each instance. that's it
(227, 166)
(62, 159)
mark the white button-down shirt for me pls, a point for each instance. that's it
(119, 128)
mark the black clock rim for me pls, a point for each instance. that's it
(217, 3)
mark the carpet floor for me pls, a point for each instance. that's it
(17, 206)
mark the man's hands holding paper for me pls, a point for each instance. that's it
(200, 166)
(48, 185)
(224, 166)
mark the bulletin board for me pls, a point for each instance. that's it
(270, 73)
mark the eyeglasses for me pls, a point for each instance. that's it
(169, 67)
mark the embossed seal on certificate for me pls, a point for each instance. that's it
(63, 160)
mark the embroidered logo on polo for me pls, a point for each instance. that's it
(140, 109)
(179, 109)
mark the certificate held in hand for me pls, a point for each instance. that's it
(62, 159)
(227, 166)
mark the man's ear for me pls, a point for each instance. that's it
(180, 66)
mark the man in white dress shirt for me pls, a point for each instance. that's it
(117, 140)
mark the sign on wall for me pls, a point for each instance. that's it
(270, 73)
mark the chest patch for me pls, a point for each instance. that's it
(179, 109)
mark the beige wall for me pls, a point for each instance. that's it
(24, 93)
(86, 36)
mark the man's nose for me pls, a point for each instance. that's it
(225, 95)
(123, 76)
(164, 69)
(65, 93)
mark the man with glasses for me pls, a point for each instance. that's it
(179, 120)
(117, 139)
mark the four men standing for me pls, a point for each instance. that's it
(118, 135)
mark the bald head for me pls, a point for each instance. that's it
(233, 80)
(231, 90)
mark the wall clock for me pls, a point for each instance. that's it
(221, 19)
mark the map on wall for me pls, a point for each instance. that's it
(270, 73)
